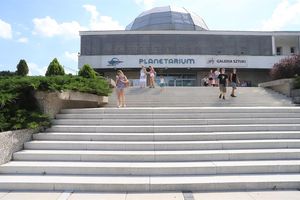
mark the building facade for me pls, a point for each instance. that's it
(180, 46)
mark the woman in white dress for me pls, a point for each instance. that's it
(143, 77)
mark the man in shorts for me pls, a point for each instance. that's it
(223, 81)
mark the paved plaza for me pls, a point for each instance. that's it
(275, 195)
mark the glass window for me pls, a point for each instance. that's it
(292, 50)
(278, 51)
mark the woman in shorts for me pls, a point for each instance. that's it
(121, 84)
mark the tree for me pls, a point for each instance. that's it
(22, 68)
(87, 72)
(55, 68)
(7, 73)
(286, 68)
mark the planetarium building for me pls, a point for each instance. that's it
(180, 46)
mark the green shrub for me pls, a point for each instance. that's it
(87, 72)
(7, 73)
(22, 68)
(55, 68)
(18, 107)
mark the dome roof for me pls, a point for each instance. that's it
(167, 18)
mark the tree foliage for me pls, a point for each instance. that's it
(55, 68)
(18, 107)
(87, 72)
(286, 68)
(22, 68)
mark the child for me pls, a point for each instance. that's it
(161, 83)
(223, 81)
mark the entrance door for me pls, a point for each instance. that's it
(178, 80)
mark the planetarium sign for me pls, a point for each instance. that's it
(179, 61)
(167, 61)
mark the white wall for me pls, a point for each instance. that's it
(196, 61)
(286, 43)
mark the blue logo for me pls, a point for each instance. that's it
(114, 62)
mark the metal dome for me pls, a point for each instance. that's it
(167, 18)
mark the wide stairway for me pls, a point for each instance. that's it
(200, 97)
(178, 148)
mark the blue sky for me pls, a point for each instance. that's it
(39, 30)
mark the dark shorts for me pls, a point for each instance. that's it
(222, 88)
(233, 85)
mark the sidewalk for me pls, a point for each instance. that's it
(259, 195)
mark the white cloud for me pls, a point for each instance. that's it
(285, 13)
(72, 56)
(147, 4)
(23, 40)
(99, 22)
(5, 30)
(35, 70)
(49, 27)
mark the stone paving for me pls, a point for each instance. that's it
(255, 195)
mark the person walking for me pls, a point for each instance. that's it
(211, 81)
(234, 80)
(143, 77)
(217, 73)
(152, 77)
(121, 84)
(162, 83)
(223, 81)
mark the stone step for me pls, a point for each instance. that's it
(167, 136)
(129, 105)
(174, 129)
(160, 146)
(178, 116)
(179, 110)
(151, 168)
(150, 183)
(229, 121)
(158, 156)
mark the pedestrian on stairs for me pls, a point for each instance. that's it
(121, 83)
(234, 80)
(223, 82)
(152, 74)
(143, 77)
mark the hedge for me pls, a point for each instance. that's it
(18, 107)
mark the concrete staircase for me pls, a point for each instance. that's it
(181, 148)
(201, 97)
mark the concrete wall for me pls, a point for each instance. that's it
(286, 43)
(13, 141)
(296, 96)
(52, 102)
(283, 86)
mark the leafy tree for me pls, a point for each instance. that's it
(55, 68)
(22, 68)
(7, 73)
(286, 68)
(87, 72)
